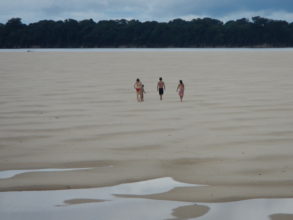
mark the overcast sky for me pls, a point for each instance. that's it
(160, 10)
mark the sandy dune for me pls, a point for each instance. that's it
(233, 132)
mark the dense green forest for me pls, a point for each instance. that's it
(205, 32)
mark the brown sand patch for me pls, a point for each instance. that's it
(81, 201)
(281, 217)
(190, 211)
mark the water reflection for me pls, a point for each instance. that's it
(258, 209)
(100, 203)
(96, 203)
(11, 173)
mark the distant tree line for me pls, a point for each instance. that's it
(205, 32)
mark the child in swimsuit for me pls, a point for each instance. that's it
(137, 86)
(142, 92)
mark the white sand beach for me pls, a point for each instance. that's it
(233, 132)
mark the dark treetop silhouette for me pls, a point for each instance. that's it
(206, 32)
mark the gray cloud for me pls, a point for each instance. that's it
(219, 8)
(34, 10)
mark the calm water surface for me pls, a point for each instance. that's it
(49, 205)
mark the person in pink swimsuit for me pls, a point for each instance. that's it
(180, 90)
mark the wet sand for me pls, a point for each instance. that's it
(81, 201)
(233, 132)
(281, 217)
(190, 211)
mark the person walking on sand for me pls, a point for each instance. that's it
(180, 90)
(142, 93)
(138, 87)
(161, 87)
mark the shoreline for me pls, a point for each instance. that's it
(213, 189)
(142, 49)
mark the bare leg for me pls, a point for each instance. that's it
(137, 96)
